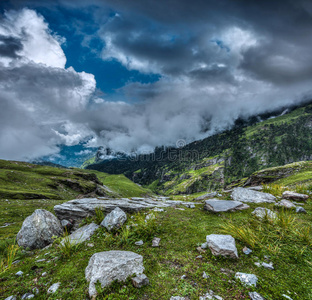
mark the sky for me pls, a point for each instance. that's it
(133, 75)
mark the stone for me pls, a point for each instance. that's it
(78, 209)
(44, 274)
(19, 273)
(300, 210)
(53, 288)
(10, 298)
(287, 297)
(140, 281)
(38, 229)
(82, 234)
(183, 276)
(255, 296)
(115, 219)
(255, 188)
(105, 267)
(67, 225)
(247, 279)
(177, 298)
(28, 296)
(16, 262)
(155, 242)
(158, 209)
(286, 204)
(210, 295)
(40, 260)
(139, 243)
(262, 212)
(35, 291)
(206, 196)
(204, 245)
(250, 196)
(205, 275)
(220, 244)
(268, 266)
(247, 250)
(295, 196)
(216, 205)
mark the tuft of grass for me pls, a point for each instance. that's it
(6, 263)
(99, 215)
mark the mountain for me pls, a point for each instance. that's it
(216, 161)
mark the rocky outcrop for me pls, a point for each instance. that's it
(38, 229)
(220, 244)
(216, 205)
(115, 219)
(247, 195)
(82, 234)
(295, 196)
(79, 209)
(105, 267)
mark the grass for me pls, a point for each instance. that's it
(287, 242)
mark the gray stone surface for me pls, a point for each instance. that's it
(28, 296)
(267, 265)
(105, 267)
(255, 188)
(295, 196)
(206, 196)
(115, 219)
(19, 273)
(82, 234)
(300, 210)
(177, 298)
(255, 296)
(262, 212)
(247, 195)
(286, 203)
(140, 281)
(78, 209)
(247, 250)
(155, 242)
(38, 229)
(139, 243)
(287, 297)
(220, 244)
(247, 279)
(53, 288)
(10, 298)
(216, 205)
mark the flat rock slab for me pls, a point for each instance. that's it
(295, 196)
(105, 267)
(247, 195)
(216, 205)
(220, 244)
(286, 204)
(82, 234)
(78, 209)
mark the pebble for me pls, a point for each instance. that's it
(300, 210)
(155, 242)
(287, 297)
(140, 280)
(205, 276)
(10, 298)
(255, 296)
(41, 260)
(19, 273)
(28, 296)
(183, 276)
(53, 288)
(44, 274)
(139, 243)
(204, 246)
(247, 250)
(90, 245)
(35, 291)
(268, 266)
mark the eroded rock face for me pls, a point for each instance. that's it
(38, 229)
(247, 195)
(262, 212)
(105, 267)
(82, 234)
(216, 205)
(295, 196)
(220, 244)
(115, 219)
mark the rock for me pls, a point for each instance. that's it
(247, 250)
(199, 257)
(215, 205)
(28, 296)
(38, 229)
(19, 273)
(67, 225)
(256, 188)
(300, 210)
(183, 276)
(155, 242)
(105, 267)
(255, 296)
(268, 266)
(149, 217)
(287, 297)
(78, 209)
(286, 204)
(206, 196)
(82, 234)
(44, 274)
(247, 195)
(90, 245)
(53, 288)
(295, 196)
(140, 280)
(222, 245)
(205, 276)
(40, 260)
(10, 298)
(35, 291)
(247, 279)
(210, 295)
(139, 243)
(16, 262)
(177, 298)
(158, 209)
(115, 219)
(204, 245)
(262, 212)
(189, 205)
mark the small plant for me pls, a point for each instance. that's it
(99, 215)
(66, 246)
(274, 189)
(6, 263)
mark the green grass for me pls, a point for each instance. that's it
(181, 232)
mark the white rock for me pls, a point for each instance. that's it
(268, 266)
(287, 297)
(155, 242)
(255, 296)
(247, 195)
(216, 205)
(82, 234)
(204, 245)
(44, 274)
(220, 244)
(53, 288)
(19, 273)
(177, 298)
(28, 296)
(262, 212)
(247, 279)
(205, 276)
(139, 243)
(105, 267)
(115, 219)
(10, 298)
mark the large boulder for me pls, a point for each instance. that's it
(220, 244)
(78, 209)
(82, 234)
(115, 219)
(262, 212)
(105, 267)
(295, 196)
(247, 195)
(216, 205)
(38, 229)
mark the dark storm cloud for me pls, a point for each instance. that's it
(9, 46)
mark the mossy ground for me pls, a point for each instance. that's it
(181, 232)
